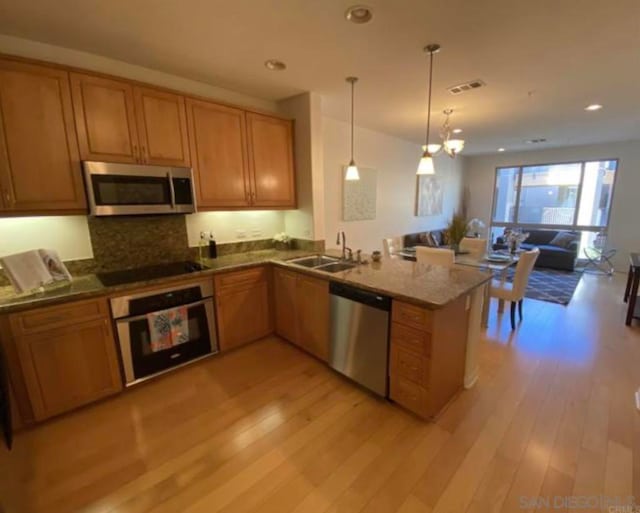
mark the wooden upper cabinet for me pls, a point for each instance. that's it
(218, 152)
(39, 164)
(105, 119)
(270, 144)
(162, 127)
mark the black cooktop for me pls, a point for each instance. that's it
(151, 272)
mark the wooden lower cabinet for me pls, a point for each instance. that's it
(302, 311)
(243, 307)
(63, 366)
(285, 293)
(312, 297)
(427, 355)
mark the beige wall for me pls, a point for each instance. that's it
(624, 229)
(300, 223)
(396, 161)
(68, 235)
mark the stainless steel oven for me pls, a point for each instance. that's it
(129, 189)
(133, 315)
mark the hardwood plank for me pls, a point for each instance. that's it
(268, 428)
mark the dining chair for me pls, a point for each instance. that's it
(477, 248)
(514, 292)
(392, 245)
(435, 256)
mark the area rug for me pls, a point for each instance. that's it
(551, 285)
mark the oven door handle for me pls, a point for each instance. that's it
(172, 191)
(144, 316)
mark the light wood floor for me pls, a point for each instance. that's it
(269, 429)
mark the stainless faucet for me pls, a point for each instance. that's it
(345, 249)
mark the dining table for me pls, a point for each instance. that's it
(497, 263)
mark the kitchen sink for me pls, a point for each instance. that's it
(314, 261)
(336, 267)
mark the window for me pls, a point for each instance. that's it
(569, 196)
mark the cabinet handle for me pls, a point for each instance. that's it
(9, 198)
(135, 153)
(143, 158)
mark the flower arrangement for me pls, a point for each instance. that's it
(514, 237)
(282, 240)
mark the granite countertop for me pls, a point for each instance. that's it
(425, 285)
(86, 286)
(431, 286)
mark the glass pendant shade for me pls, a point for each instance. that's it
(454, 146)
(425, 167)
(432, 148)
(352, 172)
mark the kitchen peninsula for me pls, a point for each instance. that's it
(256, 294)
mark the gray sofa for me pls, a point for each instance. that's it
(553, 256)
(430, 238)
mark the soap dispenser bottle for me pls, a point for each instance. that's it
(213, 249)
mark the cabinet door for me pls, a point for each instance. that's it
(105, 119)
(271, 161)
(284, 284)
(68, 367)
(313, 315)
(218, 154)
(39, 164)
(243, 315)
(162, 127)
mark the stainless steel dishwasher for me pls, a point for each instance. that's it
(360, 336)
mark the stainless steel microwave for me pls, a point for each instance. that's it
(130, 189)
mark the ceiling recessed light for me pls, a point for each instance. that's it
(500, 149)
(457, 130)
(275, 65)
(593, 106)
(359, 14)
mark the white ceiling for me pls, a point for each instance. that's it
(542, 60)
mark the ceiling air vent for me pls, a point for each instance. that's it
(467, 86)
(539, 140)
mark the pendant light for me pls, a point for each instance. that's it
(425, 167)
(352, 170)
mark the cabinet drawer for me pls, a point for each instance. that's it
(411, 339)
(410, 395)
(411, 315)
(409, 365)
(41, 319)
(237, 279)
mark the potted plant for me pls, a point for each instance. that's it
(282, 241)
(456, 231)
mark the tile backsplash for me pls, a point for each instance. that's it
(129, 242)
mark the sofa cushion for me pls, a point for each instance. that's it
(540, 237)
(548, 248)
(563, 240)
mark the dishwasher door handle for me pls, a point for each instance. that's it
(360, 296)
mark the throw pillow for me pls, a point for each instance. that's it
(563, 240)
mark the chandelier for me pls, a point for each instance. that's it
(450, 145)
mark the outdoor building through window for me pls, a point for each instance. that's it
(571, 196)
